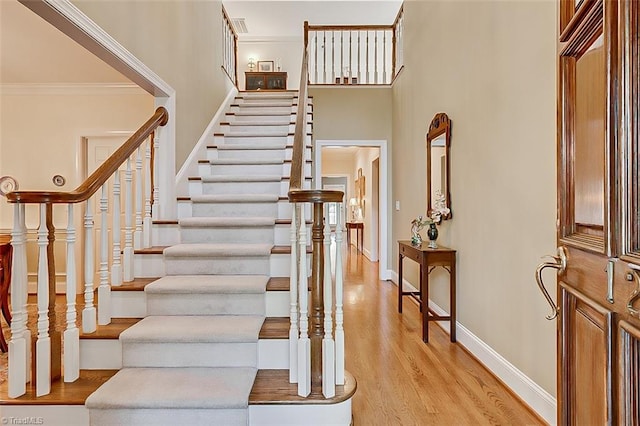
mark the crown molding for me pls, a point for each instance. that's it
(71, 89)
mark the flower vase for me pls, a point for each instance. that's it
(432, 233)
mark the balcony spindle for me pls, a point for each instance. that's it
(20, 344)
(71, 334)
(116, 267)
(304, 344)
(43, 344)
(328, 348)
(128, 223)
(384, 58)
(137, 234)
(359, 71)
(333, 57)
(350, 58)
(89, 319)
(293, 299)
(339, 331)
(342, 67)
(104, 290)
(324, 57)
(315, 65)
(146, 223)
(366, 61)
(375, 58)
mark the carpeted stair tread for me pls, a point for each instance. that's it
(209, 284)
(256, 134)
(258, 123)
(244, 161)
(218, 250)
(230, 222)
(194, 329)
(251, 146)
(235, 198)
(241, 178)
(182, 388)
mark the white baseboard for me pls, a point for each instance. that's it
(543, 403)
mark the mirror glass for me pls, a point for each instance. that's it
(438, 164)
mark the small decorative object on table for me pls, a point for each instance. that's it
(439, 212)
(416, 226)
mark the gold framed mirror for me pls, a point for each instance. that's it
(439, 165)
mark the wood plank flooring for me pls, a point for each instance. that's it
(403, 381)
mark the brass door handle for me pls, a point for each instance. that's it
(559, 263)
(635, 270)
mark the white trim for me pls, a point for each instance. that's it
(383, 218)
(349, 86)
(540, 401)
(190, 166)
(71, 89)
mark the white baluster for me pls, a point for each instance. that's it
(339, 332)
(71, 334)
(89, 312)
(328, 354)
(43, 344)
(155, 211)
(137, 235)
(384, 57)
(20, 343)
(293, 293)
(104, 290)
(146, 223)
(128, 224)
(116, 267)
(304, 344)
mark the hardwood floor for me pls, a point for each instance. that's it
(400, 379)
(403, 381)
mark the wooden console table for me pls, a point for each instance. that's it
(429, 259)
(359, 227)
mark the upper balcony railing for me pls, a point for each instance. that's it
(355, 54)
(229, 48)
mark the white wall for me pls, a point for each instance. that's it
(363, 159)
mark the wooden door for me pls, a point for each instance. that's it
(598, 222)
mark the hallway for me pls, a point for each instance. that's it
(403, 381)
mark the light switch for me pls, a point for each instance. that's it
(397, 205)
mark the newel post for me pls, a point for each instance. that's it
(317, 291)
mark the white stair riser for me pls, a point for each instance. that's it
(247, 169)
(241, 187)
(206, 304)
(128, 304)
(307, 415)
(148, 265)
(261, 109)
(285, 208)
(277, 304)
(249, 154)
(106, 354)
(234, 209)
(257, 100)
(286, 170)
(282, 126)
(244, 140)
(247, 234)
(165, 235)
(179, 354)
(184, 209)
(235, 118)
(100, 354)
(281, 266)
(283, 234)
(273, 354)
(168, 416)
(220, 266)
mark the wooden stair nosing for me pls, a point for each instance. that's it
(138, 284)
(151, 250)
(111, 331)
(272, 387)
(281, 284)
(287, 250)
(165, 222)
(275, 328)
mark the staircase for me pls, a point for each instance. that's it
(194, 358)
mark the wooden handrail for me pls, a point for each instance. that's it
(297, 160)
(102, 173)
(349, 27)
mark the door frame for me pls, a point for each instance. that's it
(385, 270)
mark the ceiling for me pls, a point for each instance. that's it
(285, 19)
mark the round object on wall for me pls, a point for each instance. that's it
(8, 184)
(59, 180)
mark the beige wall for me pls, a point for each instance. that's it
(181, 42)
(351, 113)
(491, 67)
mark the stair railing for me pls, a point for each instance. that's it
(316, 349)
(46, 364)
(229, 48)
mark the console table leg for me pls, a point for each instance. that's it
(400, 283)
